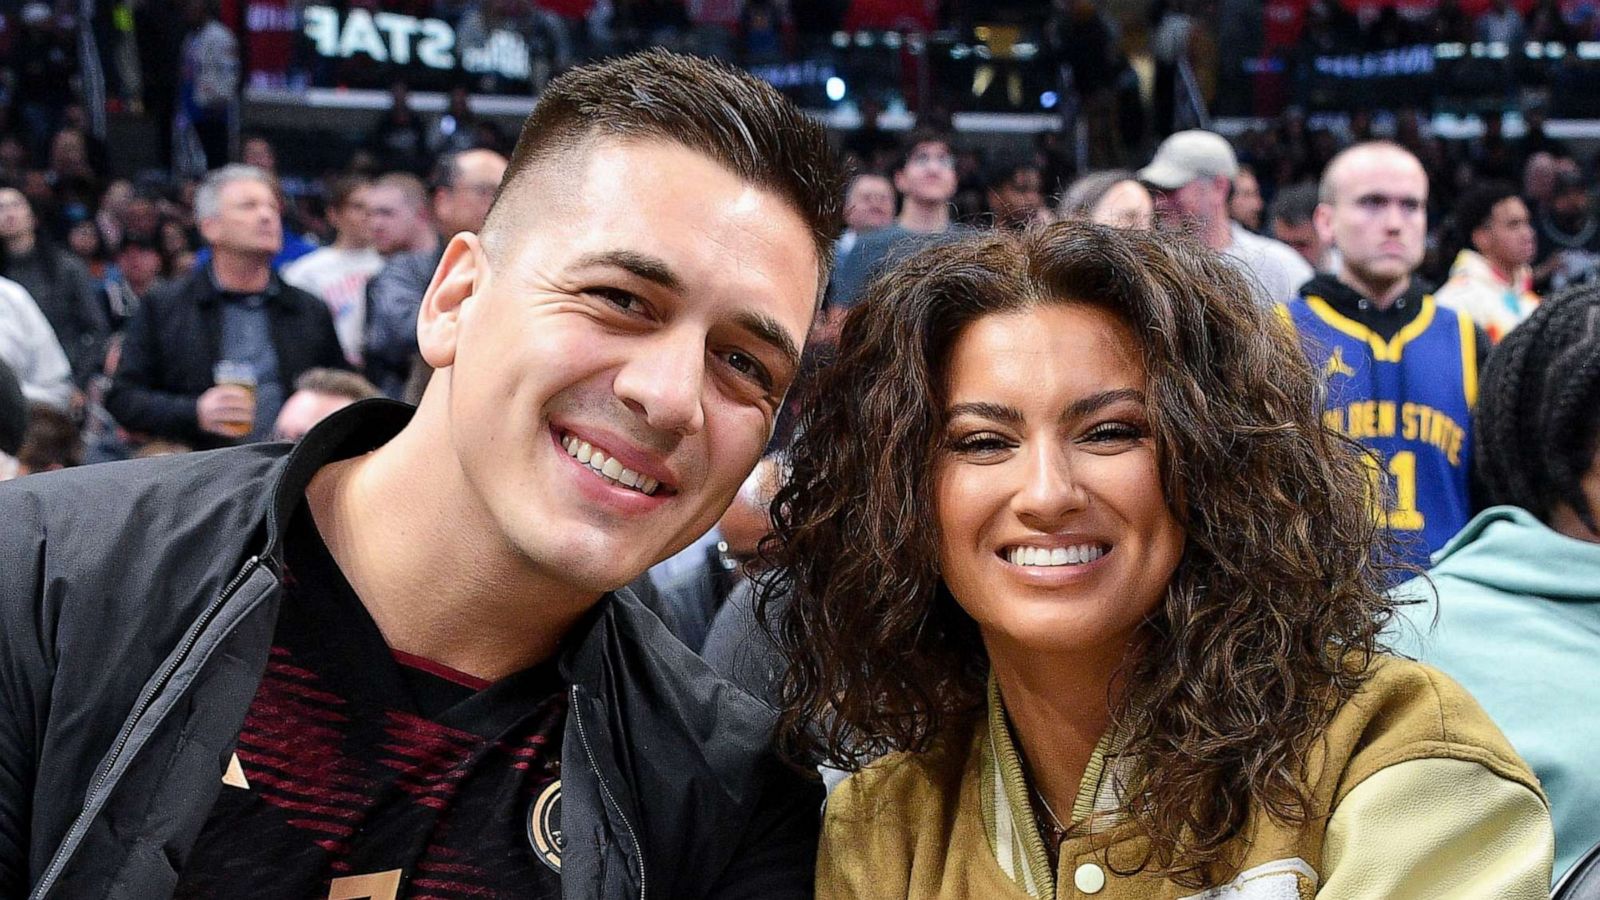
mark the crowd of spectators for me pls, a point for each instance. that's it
(159, 314)
(88, 246)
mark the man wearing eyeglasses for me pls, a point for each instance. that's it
(463, 187)
(926, 180)
(1401, 370)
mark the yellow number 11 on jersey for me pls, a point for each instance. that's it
(1402, 472)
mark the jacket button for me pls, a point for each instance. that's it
(1089, 878)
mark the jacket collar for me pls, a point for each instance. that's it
(1007, 805)
(1349, 301)
(204, 289)
(1475, 266)
(356, 429)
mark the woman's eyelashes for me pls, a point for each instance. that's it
(1101, 435)
(1115, 432)
(978, 443)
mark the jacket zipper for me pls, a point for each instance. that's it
(583, 736)
(76, 832)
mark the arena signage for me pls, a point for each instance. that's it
(396, 39)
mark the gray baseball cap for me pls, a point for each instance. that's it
(1188, 155)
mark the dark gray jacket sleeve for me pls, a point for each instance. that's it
(777, 858)
(24, 679)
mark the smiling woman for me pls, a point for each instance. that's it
(1070, 549)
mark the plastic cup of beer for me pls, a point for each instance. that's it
(240, 375)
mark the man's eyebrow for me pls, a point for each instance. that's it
(1380, 196)
(767, 330)
(651, 268)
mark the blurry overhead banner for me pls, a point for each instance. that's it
(488, 47)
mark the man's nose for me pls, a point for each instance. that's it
(663, 382)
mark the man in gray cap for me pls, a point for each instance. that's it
(1191, 176)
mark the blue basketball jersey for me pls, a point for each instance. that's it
(1410, 401)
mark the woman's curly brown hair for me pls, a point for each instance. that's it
(1273, 612)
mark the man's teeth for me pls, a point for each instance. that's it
(608, 467)
(1055, 556)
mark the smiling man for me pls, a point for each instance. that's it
(397, 661)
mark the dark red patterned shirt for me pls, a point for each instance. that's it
(361, 772)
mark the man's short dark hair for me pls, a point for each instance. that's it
(343, 187)
(335, 383)
(446, 171)
(918, 138)
(1294, 205)
(1003, 169)
(51, 441)
(1476, 206)
(704, 105)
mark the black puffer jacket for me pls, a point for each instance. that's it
(137, 604)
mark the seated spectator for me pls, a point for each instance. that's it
(28, 346)
(136, 273)
(1103, 636)
(1292, 221)
(1569, 235)
(1501, 25)
(463, 186)
(318, 394)
(1491, 280)
(233, 310)
(1015, 193)
(86, 244)
(1113, 197)
(399, 140)
(1244, 199)
(1191, 175)
(397, 214)
(926, 180)
(58, 282)
(1513, 608)
(338, 274)
(868, 206)
(1400, 372)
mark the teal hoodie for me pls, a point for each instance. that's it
(1519, 626)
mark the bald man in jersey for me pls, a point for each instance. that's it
(1401, 371)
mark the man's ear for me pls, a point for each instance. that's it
(1322, 220)
(462, 273)
(208, 231)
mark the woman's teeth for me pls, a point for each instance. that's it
(607, 467)
(1055, 556)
